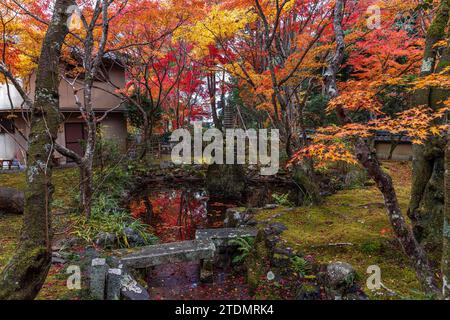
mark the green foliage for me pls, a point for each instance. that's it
(107, 152)
(282, 199)
(108, 217)
(113, 181)
(59, 204)
(134, 114)
(425, 5)
(301, 266)
(105, 204)
(315, 112)
(244, 245)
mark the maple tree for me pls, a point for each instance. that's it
(347, 142)
(164, 82)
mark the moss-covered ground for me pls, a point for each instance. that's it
(352, 226)
(65, 182)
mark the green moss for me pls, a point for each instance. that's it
(9, 230)
(256, 262)
(443, 64)
(355, 217)
(65, 182)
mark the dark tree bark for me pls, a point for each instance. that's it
(445, 259)
(212, 88)
(25, 273)
(427, 197)
(369, 161)
(445, 265)
(11, 201)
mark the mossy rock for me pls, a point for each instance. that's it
(309, 291)
(310, 189)
(257, 262)
(225, 181)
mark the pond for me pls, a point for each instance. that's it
(176, 214)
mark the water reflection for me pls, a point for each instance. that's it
(175, 215)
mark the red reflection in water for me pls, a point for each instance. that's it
(175, 216)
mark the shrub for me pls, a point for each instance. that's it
(108, 217)
(107, 153)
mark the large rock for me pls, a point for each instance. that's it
(225, 181)
(258, 196)
(239, 217)
(110, 240)
(309, 292)
(340, 275)
(106, 240)
(114, 284)
(233, 218)
(310, 190)
(341, 282)
(131, 290)
(11, 201)
(276, 228)
(134, 238)
(168, 253)
(222, 236)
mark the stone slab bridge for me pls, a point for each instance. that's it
(115, 283)
(203, 248)
(166, 253)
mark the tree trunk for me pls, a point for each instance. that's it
(26, 272)
(86, 191)
(212, 87)
(88, 164)
(445, 262)
(426, 208)
(369, 161)
(145, 139)
(403, 233)
(446, 227)
(427, 198)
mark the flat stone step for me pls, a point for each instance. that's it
(221, 236)
(170, 253)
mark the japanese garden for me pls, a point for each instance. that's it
(224, 150)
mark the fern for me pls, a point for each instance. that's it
(301, 266)
(282, 200)
(244, 245)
